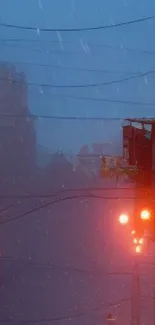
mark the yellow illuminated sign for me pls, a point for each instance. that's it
(112, 166)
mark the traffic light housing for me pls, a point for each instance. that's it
(124, 218)
(143, 219)
(142, 225)
(145, 214)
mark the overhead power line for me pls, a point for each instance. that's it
(73, 68)
(107, 83)
(46, 51)
(91, 99)
(79, 42)
(67, 118)
(75, 190)
(94, 272)
(79, 314)
(97, 272)
(98, 84)
(86, 47)
(24, 214)
(104, 100)
(56, 117)
(39, 29)
(63, 199)
(6, 208)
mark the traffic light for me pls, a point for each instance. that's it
(145, 214)
(124, 219)
(141, 223)
(141, 220)
(138, 249)
(138, 241)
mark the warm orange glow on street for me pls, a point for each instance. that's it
(123, 219)
(145, 214)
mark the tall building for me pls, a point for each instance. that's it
(17, 131)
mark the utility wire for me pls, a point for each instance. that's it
(67, 317)
(71, 316)
(104, 100)
(56, 117)
(81, 43)
(63, 191)
(101, 100)
(73, 68)
(62, 267)
(25, 214)
(107, 83)
(38, 208)
(94, 272)
(46, 51)
(120, 24)
(107, 100)
(70, 52)
(6, 208)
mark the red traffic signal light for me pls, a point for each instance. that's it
(123, 219)
(145, 214)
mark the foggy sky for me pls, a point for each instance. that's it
(69, 51)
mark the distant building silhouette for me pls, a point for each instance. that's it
(17, 133)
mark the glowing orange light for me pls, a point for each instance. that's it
(135, 240)
(145, 215)
(138, 241)
(133, 232)
(123, 219)
(138, 249)
(141, 241)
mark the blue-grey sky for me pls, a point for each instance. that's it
(67, 49)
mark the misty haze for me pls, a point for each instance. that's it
(75, 79)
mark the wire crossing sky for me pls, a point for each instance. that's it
(81, 63)
(120, 24)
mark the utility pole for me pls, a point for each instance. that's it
(154, 303)
(135, 308)
(139, 165)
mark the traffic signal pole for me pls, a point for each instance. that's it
(139, 166)
(146, 182)
(144, 197)
(136, 296)
(139, 151)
